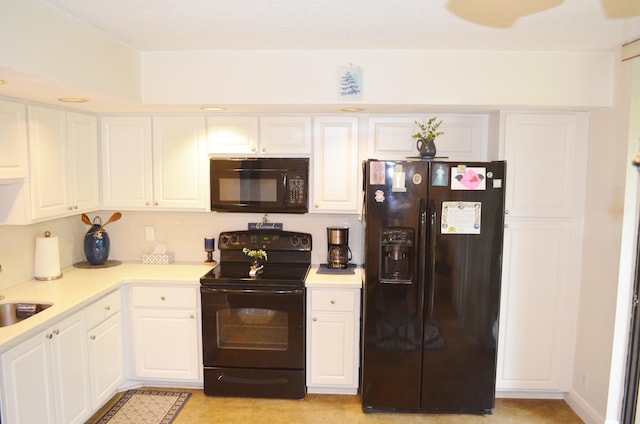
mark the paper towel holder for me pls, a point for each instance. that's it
(47, 270)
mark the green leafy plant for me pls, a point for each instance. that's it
(429, 131)
(258, 255)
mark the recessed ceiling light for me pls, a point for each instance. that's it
(352, 109)
(73, 99)
(2, 82)
(212, 109)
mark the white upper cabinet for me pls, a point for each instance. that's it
(285, 135)
(335, 167)
(180, 163)
(233, 134)
(465, 137)
(64, 162)
(13, 141)
(268, 135)
(127, 180)
(159, 163)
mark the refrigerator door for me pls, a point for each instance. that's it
(466, 216)
(395, 201)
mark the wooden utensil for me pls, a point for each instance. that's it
(116, 216)
(86, 219)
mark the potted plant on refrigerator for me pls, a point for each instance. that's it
(426, 137)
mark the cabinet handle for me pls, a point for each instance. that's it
(92, 337)
(315, 319)
(333, 302)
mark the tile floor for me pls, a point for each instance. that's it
(330, 409)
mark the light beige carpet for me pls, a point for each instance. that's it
(146, 407)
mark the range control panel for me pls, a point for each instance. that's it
(269, 240)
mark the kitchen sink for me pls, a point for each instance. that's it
(11, 313)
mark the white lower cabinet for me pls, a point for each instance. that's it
(333, 340)
(165, 333)
(46, 378)
(105, 347)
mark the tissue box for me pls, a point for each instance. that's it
(157, 258)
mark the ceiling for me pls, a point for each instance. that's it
(171, 25)
(557, 25)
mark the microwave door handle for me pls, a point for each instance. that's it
(285, 183)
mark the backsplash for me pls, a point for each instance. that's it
(182, 233)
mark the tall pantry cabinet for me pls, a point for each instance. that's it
(546, 170)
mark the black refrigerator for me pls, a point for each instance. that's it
(433, 264)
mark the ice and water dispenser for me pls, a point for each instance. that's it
(397, 250)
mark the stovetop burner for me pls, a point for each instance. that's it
(289, 259)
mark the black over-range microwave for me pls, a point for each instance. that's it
(260, 185)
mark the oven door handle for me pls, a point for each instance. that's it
(251, 291)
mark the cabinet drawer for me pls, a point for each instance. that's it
(103, 308)
(333, 300)
(165, 297)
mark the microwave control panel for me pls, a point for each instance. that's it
(296, 191)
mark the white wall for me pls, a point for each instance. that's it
(601, 253)
(182, 233)
(391, 78)
(40, 41)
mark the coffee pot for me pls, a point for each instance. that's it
(338, 252)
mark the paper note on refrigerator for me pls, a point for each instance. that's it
(468, 178)
(461, 217)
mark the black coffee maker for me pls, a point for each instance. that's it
(338, 252)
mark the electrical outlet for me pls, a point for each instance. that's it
(149, 233)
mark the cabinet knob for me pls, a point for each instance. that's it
(92, 337)
(156, 204)
(75, 207)
(192, 316)
(49, 336)
(253, 149)
(147, 203)
(70, 208)
(107, 308)
(506, 225)
(56, 332)
(333, 302)
(315, 319)
(316, 206)
(162, 298)
(507, 211)
(264, 150)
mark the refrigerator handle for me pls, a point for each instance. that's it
(431, 256)
(424, 251)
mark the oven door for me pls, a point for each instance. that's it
(253, 328)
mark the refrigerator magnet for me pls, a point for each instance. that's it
(461, 217)
(440, 175)
(377, 173)
(468, 178)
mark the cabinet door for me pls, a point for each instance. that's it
(82, 136)
(331, 360)
(335, 165)
(26, 381)
(166, 344)
(49, 158)
(106, 359)
(465, 137)
(13, 141)
(285, 135)
(126, 162)
(233, 134)
(70, 369)
(180, 163)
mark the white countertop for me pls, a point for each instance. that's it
(334, 280)
(79, 287)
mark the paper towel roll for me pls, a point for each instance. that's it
(47, 258)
